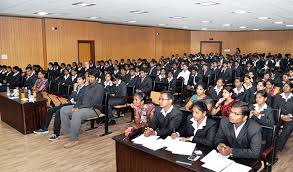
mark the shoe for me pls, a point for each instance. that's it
(54, 137)
(41, 131)
(112, 122)
(71, 144)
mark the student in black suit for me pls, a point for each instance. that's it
(153, 70)
(167, 118)
(284, 101)
(74, 75)
(198, 128)
(226, 73)
(261, 85)
(239, 91)
(144, 83)
(8, 75)
(66, 79)
(118, 89)
(171, 81)
(216, 92)
(239, 136)
(30, 78)
(175, 70)
(132, 78)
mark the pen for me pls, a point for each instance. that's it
(184, 163)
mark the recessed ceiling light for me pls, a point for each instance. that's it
(240, 12)
(162, 24)
(289, 25)
(185, 27)
(278, 22)
(84, 4)
(255, 29)
(138, 12)
(94, 18)
(131, 21)
(205, 21)
(207, 3)
(204, 28)
(226, 25)
(41, 13)
(263, 18)
(177, 17)
(242, 27)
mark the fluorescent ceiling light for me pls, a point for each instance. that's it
(94, 18)
(278, 22)
(185, 27)
(138, 12)
(207, 3)
(131, 21)
(177, 17)
(226, 25)
(84, 4)
(242, 27)
(255, 29)
(204, 28)
(162, 24)
(263, 18)
(205, 21)
(289, 25)
(240, 12)
(41, 13)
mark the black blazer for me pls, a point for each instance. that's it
(172, 85)
(247, 144)
(145, 85)
(204, 136)
(30, 82)
(226, 75)
(194, 80)
(131, 82)
(15, 81)
(67, 81)
(153, 72)
(285, 106)
(120, 90)
(164, 126)
(213, 94)
(267, 117)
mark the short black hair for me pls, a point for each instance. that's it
(92, 73)
(244, 107)
(200, 105)
(81, 76)
(169, 95)
(30, 68)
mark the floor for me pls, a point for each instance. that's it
(34, 153)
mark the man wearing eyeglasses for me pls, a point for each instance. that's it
(239, 136)
(167, 118)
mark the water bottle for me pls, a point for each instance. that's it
(29, 92)
(8, 91)
(143, 116)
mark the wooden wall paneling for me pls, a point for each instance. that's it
(21, 40)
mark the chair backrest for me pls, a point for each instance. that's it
(130, 94)
(179, 85)
(155, 97)
(160, 86)
(277, 115)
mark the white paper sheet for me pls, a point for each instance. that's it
(237, 167)
(215, 161)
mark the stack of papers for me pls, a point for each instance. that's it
(173, 145)
(219, 163)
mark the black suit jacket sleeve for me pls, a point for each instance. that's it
(210, 135)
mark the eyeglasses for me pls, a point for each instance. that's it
(235, 113)
(163, 99)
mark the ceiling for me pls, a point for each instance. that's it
(165, 13)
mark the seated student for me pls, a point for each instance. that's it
(167, 118)
(271, 88)
(249, 87)
(259, 87)
(260, 111)
(225, 103)
(78, 89)
(30, 78)
(284, 101)
(162, 78)
(172, 82)
(216, 92)
(72, 115)
(239, 91)
(118, 93)
(131, 78)
(15, 80)
(144, 83)
(107, 82)
(198, 128)
(41, 83)
(66, 79)
(239, 136)
(200, 95)
(143, 111)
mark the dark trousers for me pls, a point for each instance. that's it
(285, 134)
(57, 120)
(112, 102)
